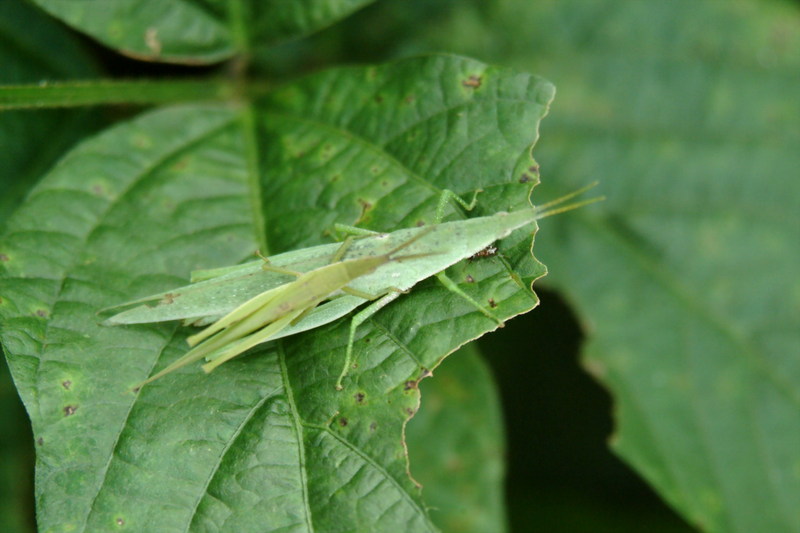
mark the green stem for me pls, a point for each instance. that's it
(95, 92)
(238, 20)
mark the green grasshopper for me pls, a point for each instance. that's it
(357, 271)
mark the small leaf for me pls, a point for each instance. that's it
(196, 31)
(180, 31)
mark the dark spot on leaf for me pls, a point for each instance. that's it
(167, 299)
(41, 312)
(384, 183)
(375, 170)
(136, 389)
(492, 303)
(40, 441)
(425, 374)
(378, 98)
(534, 169)
(420, 223)
(3, 257)
(470, 279)
(66, 384)
(365, 205)
(70, 410)
(473, 82)
(98, 190)
(335, 178)
(525, 179)
(359, 396)
(120, 522)
(367, 340)
(373, 426)
(343, 421)
(410, 384)
(410, 411)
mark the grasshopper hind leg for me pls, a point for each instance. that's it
(455, 289)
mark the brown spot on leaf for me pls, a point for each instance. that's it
(473, 82)
(152, 41)
(343, 422)
(167, 299)
(378, 99)
(525, 179)
(534, 169)
(66, 384)
(120, 521)
(373, 426)
(410, 384)
(410, 411)
(470, 279)
(40, 441)
(70, 410)
(359, 396)
(41, 313)
(425, 374)
(492, 303)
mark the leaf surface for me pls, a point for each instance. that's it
(195, 31)
(265, 440)
(462, 477)
(685, 277)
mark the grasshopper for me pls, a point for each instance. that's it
(260, 318)
(364, 270)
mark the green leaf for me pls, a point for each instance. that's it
(686, 278)
(196, 31)
(462, 475)
(30, 142)
(179, 31)
(265, 439)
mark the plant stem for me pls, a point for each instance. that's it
(95, 92)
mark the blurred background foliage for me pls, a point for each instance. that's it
(623, 69)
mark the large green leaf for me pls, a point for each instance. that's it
(265, 441)
(30, 142)
(196, 31)
(686, 278)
